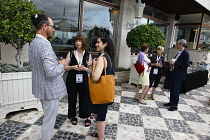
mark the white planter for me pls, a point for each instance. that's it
(134, 76)
(16, 93)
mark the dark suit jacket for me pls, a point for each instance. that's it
(180, 66)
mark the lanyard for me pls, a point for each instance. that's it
(77, 57)
(158, 58)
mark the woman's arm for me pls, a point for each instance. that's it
(67, 67)
(98, 66)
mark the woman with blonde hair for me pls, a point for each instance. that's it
(157, 70)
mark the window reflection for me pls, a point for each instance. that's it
(97, 20)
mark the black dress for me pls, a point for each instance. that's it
(73, 88)
(100, 109)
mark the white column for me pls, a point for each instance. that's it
(126, 14)
(170, 34)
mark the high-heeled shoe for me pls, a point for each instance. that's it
(152, 96)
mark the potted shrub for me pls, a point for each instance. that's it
(16, 31)
(149, 34)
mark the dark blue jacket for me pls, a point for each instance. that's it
(180, 66)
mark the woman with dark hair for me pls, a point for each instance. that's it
(105, 47)
(144, 76)
(78, 63)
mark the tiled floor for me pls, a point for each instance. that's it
(126, 119)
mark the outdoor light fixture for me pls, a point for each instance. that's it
(138, 12)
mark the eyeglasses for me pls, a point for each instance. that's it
(51, 26)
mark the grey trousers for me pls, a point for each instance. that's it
(50, 108)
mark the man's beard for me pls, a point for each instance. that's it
(49, 35)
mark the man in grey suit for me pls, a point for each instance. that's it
(47, 81)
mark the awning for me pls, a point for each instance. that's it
(178, 6)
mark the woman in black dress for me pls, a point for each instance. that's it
(77, 63)
(105, 47)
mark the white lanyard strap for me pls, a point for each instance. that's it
(77, 57)
(158, 58)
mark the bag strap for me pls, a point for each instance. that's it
(104, 66)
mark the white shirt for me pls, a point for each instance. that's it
(146, 63)
(38, 35)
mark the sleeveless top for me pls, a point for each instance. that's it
(109, 68)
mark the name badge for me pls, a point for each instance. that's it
(79, 78)
(155, 71)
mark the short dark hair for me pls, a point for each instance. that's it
(109, 49)
(38, 20)
(144, 47)
(84, 42)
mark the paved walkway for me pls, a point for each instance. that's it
(126, 119)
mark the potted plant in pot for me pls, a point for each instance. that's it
(143, 34)
(16, 31)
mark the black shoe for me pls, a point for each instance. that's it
(168, 104)
(172, 108)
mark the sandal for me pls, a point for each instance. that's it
(87, 122)
(74, 120)
(94, 134)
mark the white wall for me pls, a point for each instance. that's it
(8, 54)
(195, 55)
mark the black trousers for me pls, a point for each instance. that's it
(73, 90)
(175, 85)
(154, 80)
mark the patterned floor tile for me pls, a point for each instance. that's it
(167, 93)
(63, 108)
(10, 130)
(181, 101)
(118, 92)
(135, 133)
(170, 114)
(150, 111)
(118, 88)
(203, 137)
(33, 133)
(159, 93)
(189, 116)
(204, 103)
(155, 134)
(63, 135)
(178, 126)
(114, 107)
(79, 128)
(200, 98)
(186, 108)
(2, 120)
(205, 117)
(150, 103)
(117, 99)
(128, 94)
(127, 108)
(59, 121)
(200, 128)
(183, 136)
(207, 94)
(187, 96)
(161, 98)
(161, 105)
(195, 92)
(152, 122)
(28, 116)
(200, 109)
(193, 102)
(64, 99)
(130, 119)
(128, 100)
(112, 116)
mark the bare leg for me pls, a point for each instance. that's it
(153, 92)
(100, 128)
(144, 92)
(137, 91)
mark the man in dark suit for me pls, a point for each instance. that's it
(178, 74)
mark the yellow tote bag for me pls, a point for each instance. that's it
(103, 90)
